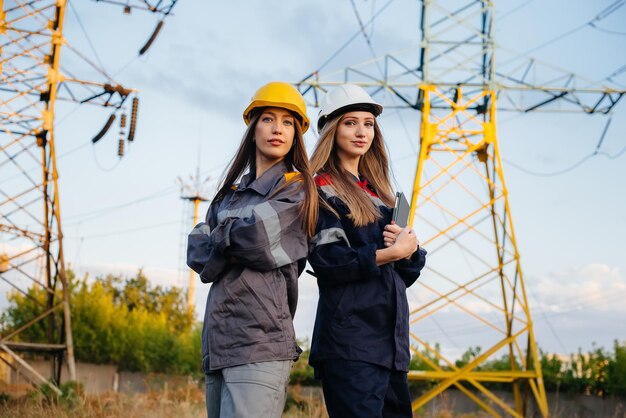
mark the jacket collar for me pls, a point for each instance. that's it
(263, 184)
(322, 179)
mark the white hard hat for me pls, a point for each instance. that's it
(346, 98)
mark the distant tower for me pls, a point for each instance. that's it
(194, 191)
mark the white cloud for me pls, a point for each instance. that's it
(593, 287)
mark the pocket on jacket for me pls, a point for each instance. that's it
(278, 288)
(338, 304)
(251, 310)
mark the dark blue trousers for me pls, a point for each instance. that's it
(355, 389)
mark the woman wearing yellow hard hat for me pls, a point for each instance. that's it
(252, 247)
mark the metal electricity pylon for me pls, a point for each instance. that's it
(33, 81)
(460, 207)
(194, 191)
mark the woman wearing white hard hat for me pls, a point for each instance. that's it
(252, 248)
(363, 264)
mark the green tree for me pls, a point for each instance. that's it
(551, 368)
(616, 371)
(127, 322)
(301, 372)
(468, 356)
(423, 360)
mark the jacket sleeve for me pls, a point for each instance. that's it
(334, 261)
(202, 256)
(409, 269)
(271, 237)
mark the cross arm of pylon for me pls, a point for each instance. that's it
(103, 94)
(390, 77)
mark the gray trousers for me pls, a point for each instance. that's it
(256, 390)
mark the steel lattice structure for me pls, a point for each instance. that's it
(459, 205)
(32, 81)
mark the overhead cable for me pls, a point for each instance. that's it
(600, 16)
(353, 37)
(93, 48)
(595, 153)
(124, 231)
(108, 209)
(611, 32)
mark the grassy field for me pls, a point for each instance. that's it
(181, 402)
(185, 402)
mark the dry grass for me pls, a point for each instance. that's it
(180, 403)
(305, 402)
(183, 402)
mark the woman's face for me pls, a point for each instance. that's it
(355, 134)
(274, 133)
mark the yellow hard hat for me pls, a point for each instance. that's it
(279, 94)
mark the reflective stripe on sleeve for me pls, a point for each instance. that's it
(201, 229)
(242, 213)
(328, 236)
(271, 223)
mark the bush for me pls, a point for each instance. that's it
(598, 372)
(301, 372)
(128, 322)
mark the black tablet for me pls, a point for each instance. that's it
(401, 210)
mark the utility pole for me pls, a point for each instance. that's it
(193, 191)
(460, 206)
(32, 81)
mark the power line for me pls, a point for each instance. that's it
(600, 16)
(361, 26)
(100, 166)
(568, 169)
(93, 49)
(611, 32)
(124, 231)
(515, 9)
(567, 308)
(107, 210)
(617, 72)
(543, 314)
(94, 213)
(353, 37)
(596, 152)
(372, 13)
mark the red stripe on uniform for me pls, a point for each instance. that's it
(363, 185)
(323, 180)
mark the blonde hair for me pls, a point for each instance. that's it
(373, 165)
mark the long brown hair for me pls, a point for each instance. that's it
(373, 165)
(296, 159)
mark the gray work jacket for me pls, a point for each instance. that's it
(252, 248)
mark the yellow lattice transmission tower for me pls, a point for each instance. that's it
(460, 207)
(31, 256)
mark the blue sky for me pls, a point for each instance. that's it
(211, 56)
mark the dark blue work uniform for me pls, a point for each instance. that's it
(360, 345)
